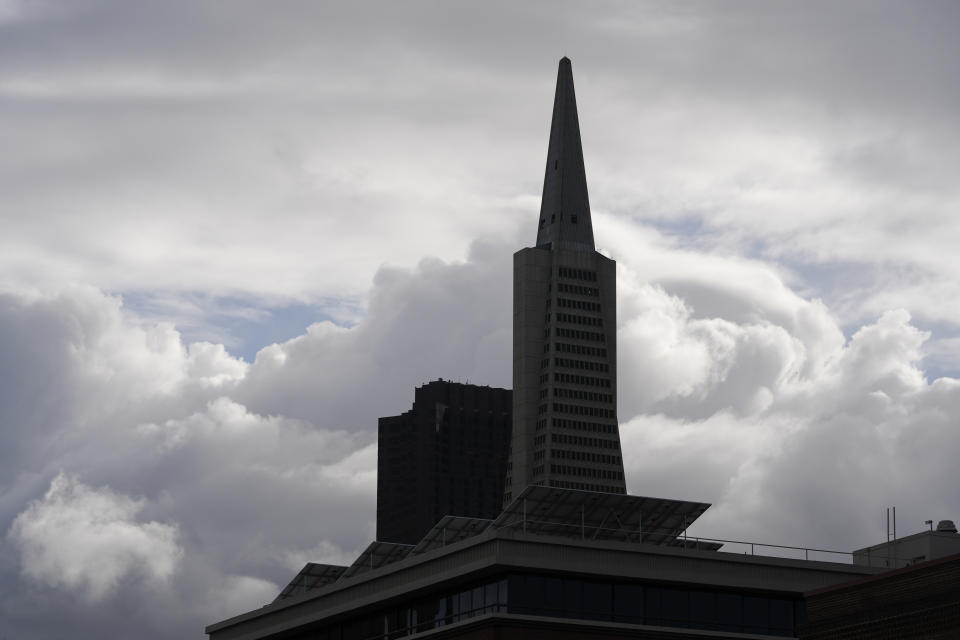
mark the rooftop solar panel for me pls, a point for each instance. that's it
(450, 529)
(377, 554)
(599, 516)
(312, 576)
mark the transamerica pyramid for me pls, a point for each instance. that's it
(565, 431)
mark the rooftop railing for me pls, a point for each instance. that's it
(681, 540)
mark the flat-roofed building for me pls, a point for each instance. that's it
(555, 564)
(911, 549)
(447, 455)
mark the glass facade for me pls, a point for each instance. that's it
(578, 599)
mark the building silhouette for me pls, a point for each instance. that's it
(565, 430)
(571, 555)
(447, 455)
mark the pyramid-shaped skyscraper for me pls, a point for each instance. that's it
(565, 431)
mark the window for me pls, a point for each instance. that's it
(652, 605)
(674, 606)
(703, 609)
(461, 605)
(491, 598)
(596, 600)
(729, 610)
(553, 596)
(781, 614)
(575, 598)
(756, 614)
(572, 598)
(628, 603)
(534, 590)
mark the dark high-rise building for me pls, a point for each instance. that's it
(447, 455)
(564, 332)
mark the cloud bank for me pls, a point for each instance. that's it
(181, 474)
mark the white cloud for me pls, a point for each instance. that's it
(824, 453)
(89, 540)
(123, 403)
(211, 365)
(439, 319)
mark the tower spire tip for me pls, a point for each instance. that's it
(565, 207)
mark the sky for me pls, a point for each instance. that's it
(235, 234)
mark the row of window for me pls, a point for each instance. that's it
(576, 334)
(577, 364)
(585, 456)
(583, 305)
(691, 607)
(577, 394)
(580, 456)
(576, 409)
(553, 216)
(585, 472)
(583, 441)
(580, 425)
(580, 349)
(590, 381)
(578, 290)
(572, 318)
(675, 606)
(586, 486)
(578, 274)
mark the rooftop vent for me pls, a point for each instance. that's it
(946, 526)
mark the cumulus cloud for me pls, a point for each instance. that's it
(88, 539)
(438, 319)
(825, 451)
(746, 395)
(184, 489)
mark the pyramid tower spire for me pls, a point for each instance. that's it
(565, 432)
(565, 208)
